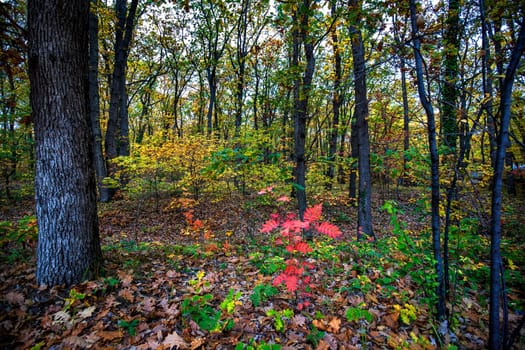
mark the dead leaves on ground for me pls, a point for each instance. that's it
(138, 303)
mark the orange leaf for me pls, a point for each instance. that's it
(313, 214)
(329, 229)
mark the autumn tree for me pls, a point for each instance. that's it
(426, 101)
(94, 104)
(364, 216)
(117, 130)
(498, 338)
(65, 188)
(212, 34)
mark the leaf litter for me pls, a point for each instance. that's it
(154, 262)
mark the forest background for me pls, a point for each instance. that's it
(404, 120)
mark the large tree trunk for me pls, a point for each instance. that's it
(364, 207)
(94, 108)
(65, 188)
(496, 265)
(434, 164)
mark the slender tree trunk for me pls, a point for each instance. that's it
(117, 137)
(449, 93)
(336, 102)
(496, 341)
(212, 83)
(65, 185)
(354, 155)
(488, 90)
(364, 207)
(406, 118)
(301, 95)
(94, 106)
(434, 164)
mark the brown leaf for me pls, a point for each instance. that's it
(334, 325)
(148, 304)
(319, 324)
(298, 320)
(74, 341)
(390, 320)
(110, 335)
(125, 278)
(88, 312)
(15, 298)
(323, 345)
(127, 294)
(196, 343)
(174, 339)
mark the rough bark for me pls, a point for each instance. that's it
(65, 188)
(301, 93)
(364, 207)
(496, 265)
(117, 138)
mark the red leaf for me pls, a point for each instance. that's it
(313, 214)
(329, 229)
(303, 247)
(291, 283)
(294, 225)
(270, 225)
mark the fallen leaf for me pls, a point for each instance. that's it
(174, 339)
(88, 312)
(148, 305)
(15, 298)
(62, 318)
(125, 278)
(298, 320)
(110, 335)
(75, 341)
(127, 294)
(334, 325)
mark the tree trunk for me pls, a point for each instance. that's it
(212, 84)
(65, 187)
(496, 264)
(434, 164)
(406, 118)
(488, 90)
(301, 95)
(449, 93)
(117, 139)
(94, 107)
(337, 101)
(364, 207)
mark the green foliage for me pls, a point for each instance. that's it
(407, 313)
(267, 263)
(74, 298)
(199, 310)
(315, 336)
(357, 314)
(261, 293)
(16, 237)
(279, 318)
(231, 300)
(129, 327)
(252, 345)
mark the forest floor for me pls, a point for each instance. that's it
(170, 284)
